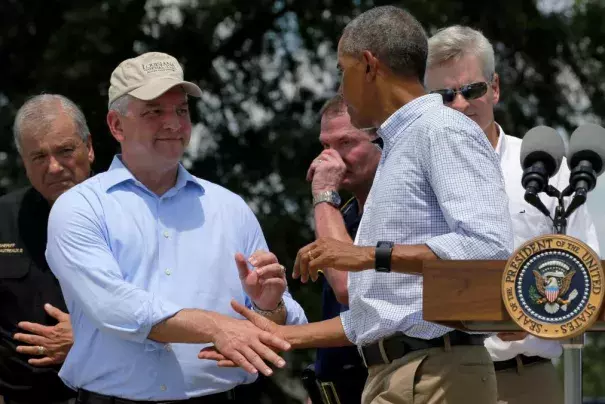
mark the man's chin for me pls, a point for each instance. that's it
(53, 195)
(171, 153)
(347, 185)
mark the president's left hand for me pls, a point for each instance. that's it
(265, 285)
(331, 253)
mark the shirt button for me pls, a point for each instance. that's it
(163, 387)
(166, 234)
(168, 348)
(168, 271)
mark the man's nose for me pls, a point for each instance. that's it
(172, 121)
(460, 103)
(54, 166)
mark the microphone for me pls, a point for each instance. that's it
(585, 159)
(542, 151)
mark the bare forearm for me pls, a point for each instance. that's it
(323, 334)
(187, 326)
(329, 223)
(408, 258)
(405, 259)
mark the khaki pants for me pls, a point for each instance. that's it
(462, 375)
(531, 384)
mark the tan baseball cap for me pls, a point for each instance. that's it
(148, 76)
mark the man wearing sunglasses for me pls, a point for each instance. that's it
(461, 68)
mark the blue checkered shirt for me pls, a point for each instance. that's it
(438, 183)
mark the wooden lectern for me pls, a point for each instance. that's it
(467, 295)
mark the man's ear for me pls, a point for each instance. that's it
(91, 152)
(495, 85)
(371, 65)
(114, 122)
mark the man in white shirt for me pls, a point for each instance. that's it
(461, 68)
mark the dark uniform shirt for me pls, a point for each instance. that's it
(331, 362)
(26, 284)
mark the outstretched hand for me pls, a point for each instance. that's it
(217, 354)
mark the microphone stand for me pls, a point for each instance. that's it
(560, 219)
(572, 348)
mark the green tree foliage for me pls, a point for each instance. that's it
(266, 66)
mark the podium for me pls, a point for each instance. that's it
(467, 295)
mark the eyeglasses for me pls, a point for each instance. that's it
(469, 92)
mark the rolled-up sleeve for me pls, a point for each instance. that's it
(255, 240)
(465, 176)
(348, 325)
(80, 257)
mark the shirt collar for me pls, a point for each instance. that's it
(119, 173)
(378, 142)
(501, 145)
(397, 123)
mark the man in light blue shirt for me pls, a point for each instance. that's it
(149, 257)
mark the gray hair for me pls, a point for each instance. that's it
(120, 104)
(41, 110)
(457, 41)
(393, 35)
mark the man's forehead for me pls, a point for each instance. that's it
(335, 121)
(56, 127)
(338, 126)
(456, 71)
(48, 140)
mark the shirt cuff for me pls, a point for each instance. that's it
(152, 314)
(446, 247)
(347, 325)
(294, 313)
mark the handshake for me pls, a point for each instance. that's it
(255, 341)
(249, 343)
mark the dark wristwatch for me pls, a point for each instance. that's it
(382, 256)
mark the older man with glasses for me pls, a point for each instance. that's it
(461, 68)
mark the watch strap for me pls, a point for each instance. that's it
(382, 256)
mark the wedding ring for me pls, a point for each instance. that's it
(41, 350)
(319, 161)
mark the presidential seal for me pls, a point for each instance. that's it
(552, 287)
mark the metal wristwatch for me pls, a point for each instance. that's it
(281, 306)
(330, 197)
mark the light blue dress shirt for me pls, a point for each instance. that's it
(127, 259)
(438, 183)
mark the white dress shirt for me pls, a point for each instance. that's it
(529, 222)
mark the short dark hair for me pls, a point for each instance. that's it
(393, 35)
(335, 106)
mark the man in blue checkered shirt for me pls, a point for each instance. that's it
(438, 194)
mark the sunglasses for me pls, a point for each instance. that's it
(469, 92)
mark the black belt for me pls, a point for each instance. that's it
(396, 346)
(88, 397)
(512, 363)
(346, 388)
